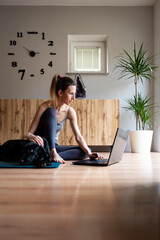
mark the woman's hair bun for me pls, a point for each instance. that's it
(59, 76)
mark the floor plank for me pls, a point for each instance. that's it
(71, 202)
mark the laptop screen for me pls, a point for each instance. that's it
(118, 146)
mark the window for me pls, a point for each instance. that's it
(87, 54)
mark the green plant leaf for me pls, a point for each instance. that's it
(142, 109)
(140, 67)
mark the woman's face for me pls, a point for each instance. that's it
(68, 96)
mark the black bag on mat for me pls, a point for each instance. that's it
(80, 87)
(26, 153)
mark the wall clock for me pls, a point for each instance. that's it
(29, 47)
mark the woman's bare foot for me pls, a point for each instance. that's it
(55, 157)
(58, 159)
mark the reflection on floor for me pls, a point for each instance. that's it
(119, 202)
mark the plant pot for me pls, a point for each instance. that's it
(141, 141)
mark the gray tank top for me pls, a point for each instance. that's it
(60, 127)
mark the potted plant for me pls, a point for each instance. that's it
(143, 110)
(140, 67)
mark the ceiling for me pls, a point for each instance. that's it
(77, 2)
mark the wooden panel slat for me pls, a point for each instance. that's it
(97, 119)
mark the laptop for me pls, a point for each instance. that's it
(116, 152)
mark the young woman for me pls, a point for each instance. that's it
(51, 116)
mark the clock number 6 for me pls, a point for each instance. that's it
(21, 71)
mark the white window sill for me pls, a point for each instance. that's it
(87, 73)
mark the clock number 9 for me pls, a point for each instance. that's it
(21, 71)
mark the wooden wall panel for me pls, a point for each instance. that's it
(97, 120)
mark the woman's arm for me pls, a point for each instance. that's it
(80, 140)
(34, 125)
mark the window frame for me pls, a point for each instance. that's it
(85, 41)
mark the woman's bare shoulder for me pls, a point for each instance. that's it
(46, 103)
(72, 113)
(43, 106)
(71, 109)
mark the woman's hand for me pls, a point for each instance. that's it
(95, 155)
(55, 156)
(34, 138)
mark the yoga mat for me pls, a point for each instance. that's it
(16, 165)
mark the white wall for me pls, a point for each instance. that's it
(156, 138)
(123, 25)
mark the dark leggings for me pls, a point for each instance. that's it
(47, 129)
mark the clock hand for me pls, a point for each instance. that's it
(31, 53)
(27, 49)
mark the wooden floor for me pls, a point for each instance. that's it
(120, 202)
